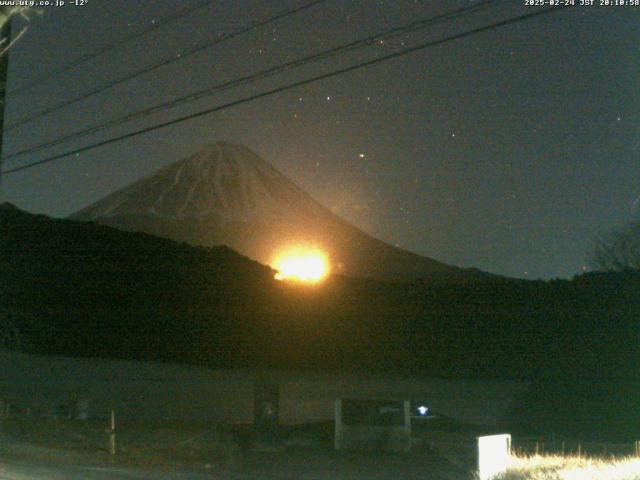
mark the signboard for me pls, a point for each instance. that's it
(373, 424)
(373, 412)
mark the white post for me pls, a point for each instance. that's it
(338, 424)
(494, 452)
(112, 434)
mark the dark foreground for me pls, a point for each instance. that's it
(34, 448)
(298, 463)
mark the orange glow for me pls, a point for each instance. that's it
(302, 265)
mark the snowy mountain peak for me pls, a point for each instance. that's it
(223, 180)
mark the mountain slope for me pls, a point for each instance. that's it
(226, 194)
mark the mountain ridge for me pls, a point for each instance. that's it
(226, 194)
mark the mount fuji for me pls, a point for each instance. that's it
(226, 194)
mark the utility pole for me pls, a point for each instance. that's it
(5, 41)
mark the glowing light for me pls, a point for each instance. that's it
(423, 410)
(303, 265)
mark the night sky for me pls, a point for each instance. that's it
(509, 151)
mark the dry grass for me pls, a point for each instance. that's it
(556, 467)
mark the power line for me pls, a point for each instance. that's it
(174, 58)
(323, 55)
(160, 22)
(290, 86)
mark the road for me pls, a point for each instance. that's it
(314, 471)
(23, 471)
(292, 464)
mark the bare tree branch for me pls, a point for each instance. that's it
(619, 250)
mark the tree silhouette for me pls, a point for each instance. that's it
(619, 250)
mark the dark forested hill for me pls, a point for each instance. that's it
(83, 289)
(93, 290)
